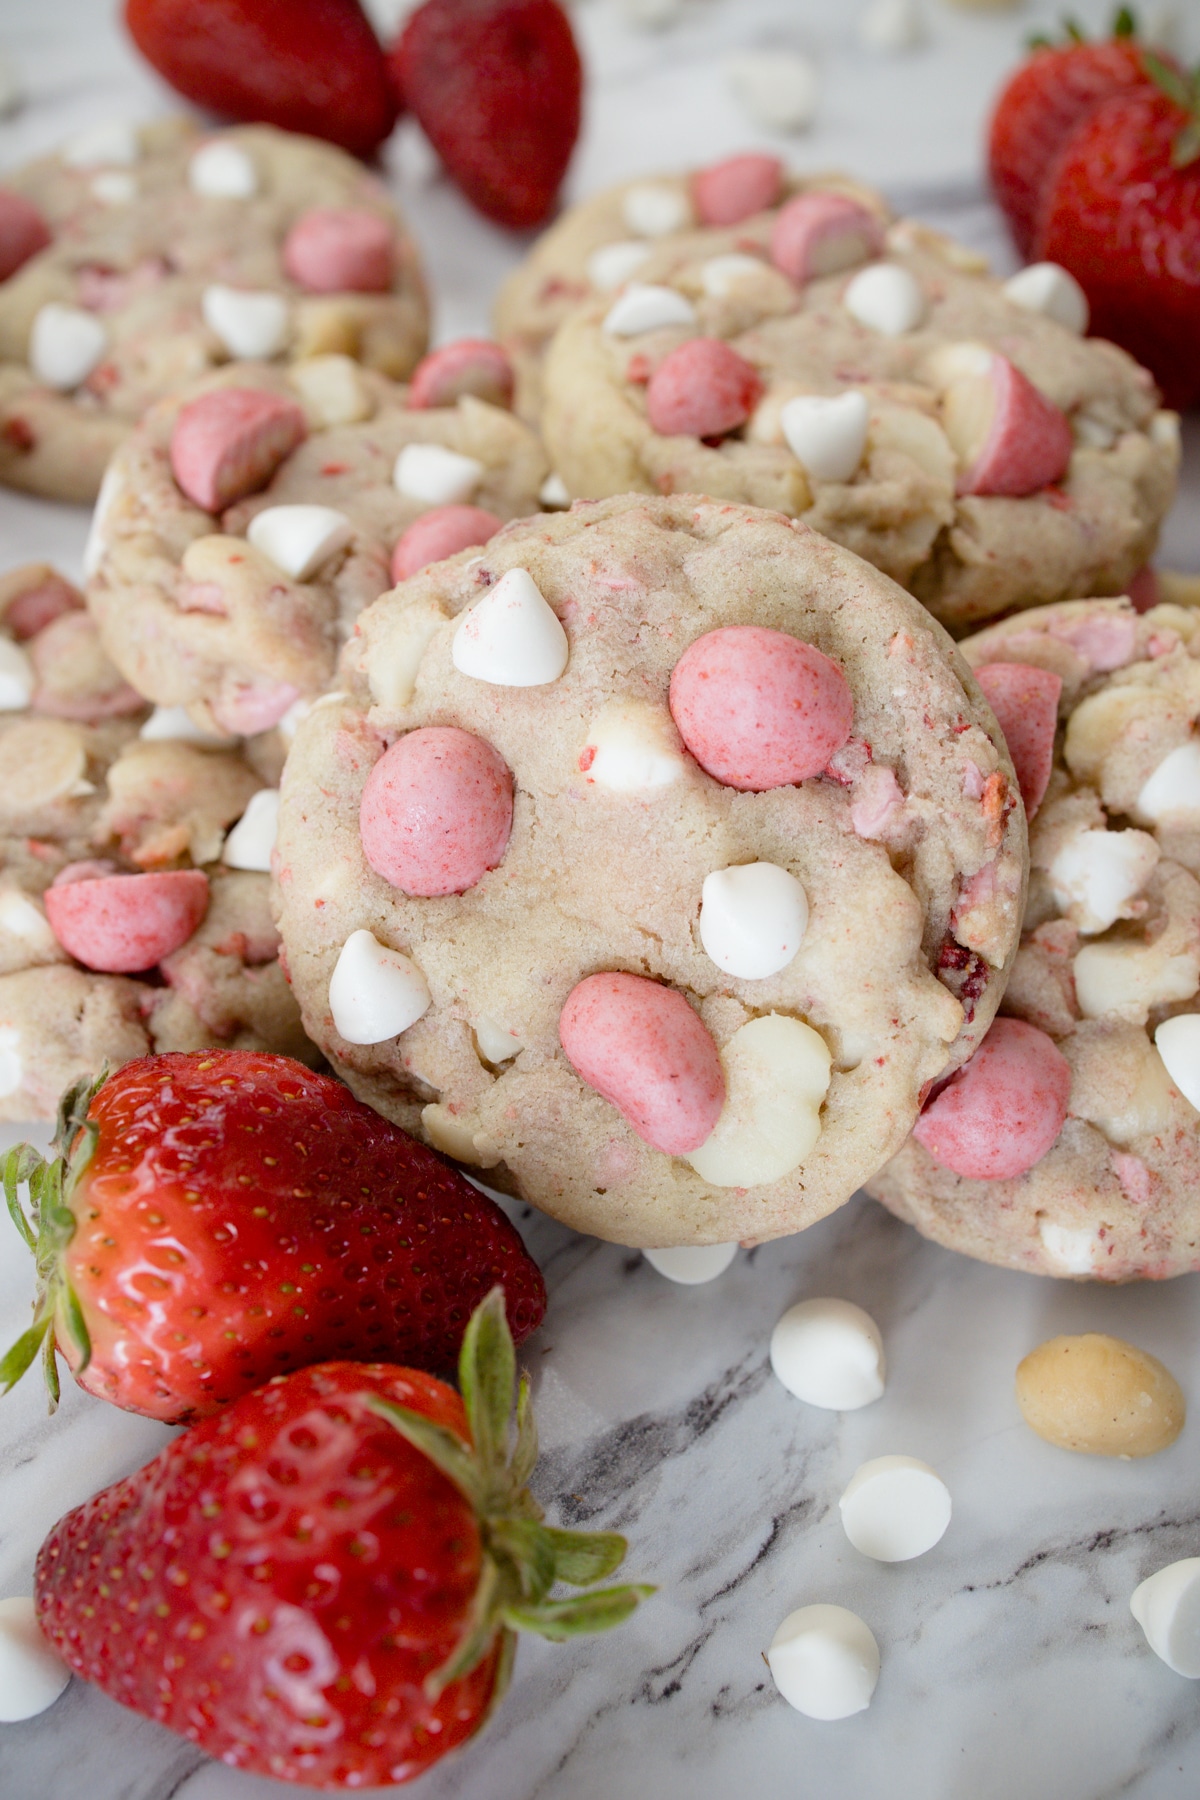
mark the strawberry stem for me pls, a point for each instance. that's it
(1183, 90)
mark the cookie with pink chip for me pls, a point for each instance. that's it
(652, 861)
(1070, 1144)
(138, 256)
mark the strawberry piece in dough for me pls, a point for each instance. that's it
(23, 232)
(1025, 702)
(760, 709)
(1027, 443)
(340, 250)
(703, 389)
(229, 443)
(737, 188)
(643, 1049)
(1003, 1110)
(470, 366)
(124, 924)
(821, 234)
(439, 534)
(436, 811)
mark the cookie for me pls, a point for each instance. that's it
(651, 861)
(171, 250)
(1091, 1166)
(251, 516)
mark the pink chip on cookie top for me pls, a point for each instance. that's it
(730, 191)
(1025, 702)
(441, 533)
(1009, 438)
(339, 249)
(123, 924)
(436, 812)
(821, 234)
(469, 366)
(702, 389)
(228, 443)
(1003, 1110)
(23, 232)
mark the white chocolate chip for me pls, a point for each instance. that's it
(553, 494)
(16, 677)
(298, 539)
(111, 142)
(610, 267)
(249, 323)
(776, 88)
(887, 298)
(652, 209)
(65, 344)
(776, 1078)
(1167, 1607)
(642, 308)
(459, 1137)
(250, 843)
(721, 275)
(23, 919)
(436, 476)
(895, 1508)
(114, 188)
(692, 1264)
(634, 748)
(221, 170)
(31, 1675)
(752, 919)
(1166, 431)
(829, 1353)
(1173, 791)
(1097, 874)
(1177, 1041)
(1126, 980)
(1073, 1250)
(890, 25)
(177, 722)
(1048, 288)
(399, 653)
(296, 714)
(332, 390)
(827, 435)
(496, 1043)
(957, 361)
(825, 1662)
(12, 1068)
(375, 993)
(511, 637)
(110, 484)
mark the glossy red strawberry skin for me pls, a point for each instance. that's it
(242, 1216)
(279, 1581)
(497, 86)
(314, 66)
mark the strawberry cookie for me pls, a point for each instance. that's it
(1070, 1143)
(251, 516)
(651, 862)
(138, 257)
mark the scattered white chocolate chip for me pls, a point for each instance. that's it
(496, 1043)
(1096, 875)
(720, 275)
(177, 722)
(331, 390)
(610, 267)
(1177, 1041)
(752, 919)
(298, 539)
(250, 843)
(1174, 788)
(887, 298)
(1167, 1607)
(553, 493)
(652, 209)
(12, 1068)
(114, 187)
(31, 1675)
(249, 323)
(16, 677)
(65, 344)
(22, 918)
(829, 1353)
(221, 170)
(435, 475)
(827, 434)
(692, 1264)
(1074, 1250)
(642, 308)
(93, 549)
(891, 25)
(511, 637)
(634, 747)
(777, 88)
(825, 1662)
(1048, 288)
(114, 141)
(776, 1078)
(895, 1508)
(375, 993)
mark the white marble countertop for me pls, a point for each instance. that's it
(1012, 1669)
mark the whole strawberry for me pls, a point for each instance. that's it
(496, 85)
(221, 1216)
(323, 1584)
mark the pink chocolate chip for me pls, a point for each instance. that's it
(735, 189)
(759, 709)
(441, 533)
(47, 598)
(642, 1048)
(245, 708)
(1003, 1110)
(470, 366)
(340, 250)
(436, 811)
(23, 232)
(1025, 702)
(1028, 443)
(123, 924)
(702, 389)
(821, 234)
(228, 443)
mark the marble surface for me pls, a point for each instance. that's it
(1012, 1669)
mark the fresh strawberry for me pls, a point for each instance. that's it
(324, 1583)
(496, 85)
(305, 65)
(218, 1217)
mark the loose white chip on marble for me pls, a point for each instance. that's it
(829, 1353)
(646, 308)
(435, 475)
(752, 919)
(634, 748)
(776, 1078)
(776, 88)
(250, 843)
(114, 187)
(221, 170)
(1096, 874)
(375, 993)
(825, 1662)
(692, 1264)
(12, 88)
(65, 344)
(250, 323)
(114, 141)
(16, 677)
(553, 493)
(887, 298)
(177, 722)
(511, 637)
(298, 539)
(895, 1508)
(1167, 1607)
(827, 434)
(12, 1067)
(652, 209)
(1048, 288)
(31, 1675)
(611, 265)
(720, 275)
(891, 25)
(1174, 787)
(21, 917)
(1177, 1041)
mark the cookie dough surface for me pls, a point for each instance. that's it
(136, 257)
(910, 849)
(1117, 1197)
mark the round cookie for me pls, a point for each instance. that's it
(520, 743)
(198, 614)
(1107, 979)
(172, 250)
